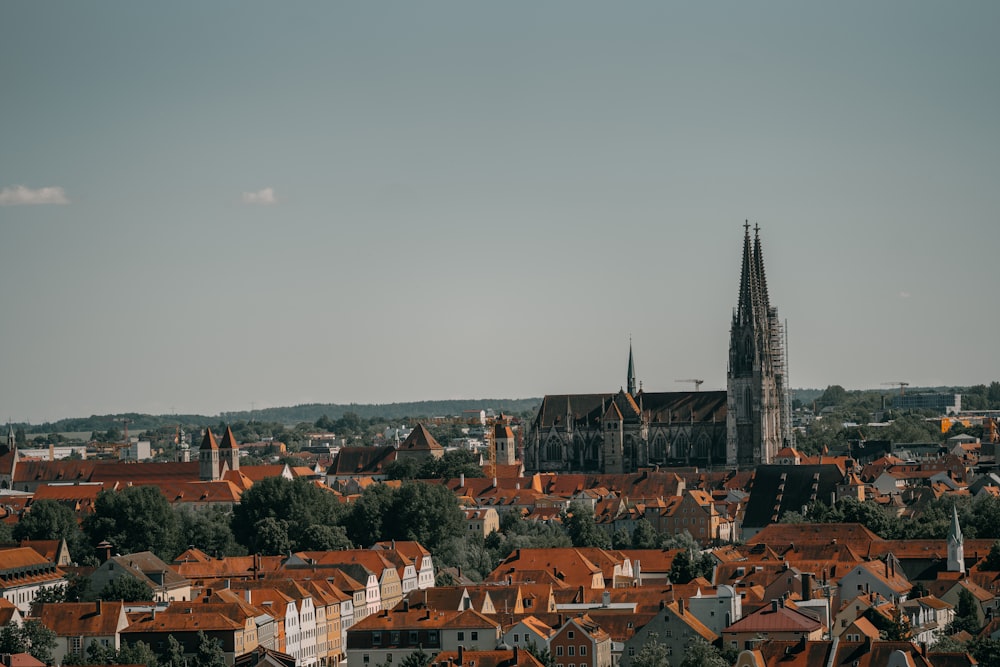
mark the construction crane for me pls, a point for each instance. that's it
(697, 383)
(902, 386)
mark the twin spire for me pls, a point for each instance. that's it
(754, 303)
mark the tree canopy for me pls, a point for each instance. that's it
(276, 514)
(136, 518)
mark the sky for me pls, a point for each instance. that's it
(210, 207)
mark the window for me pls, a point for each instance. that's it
(366, 658)
(388, 657)
(583, 649)
(432, 637)
(461, 636)
(413, 637)
(559, 650)
(572, 650)
(631, 652)
(517, 638)
(475, 635)
(570, 634)
(394, 637)
(377, 638)
(76, 645)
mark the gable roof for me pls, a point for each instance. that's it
(420, 440)
(86, 619)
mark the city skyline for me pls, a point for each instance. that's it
(204, 208)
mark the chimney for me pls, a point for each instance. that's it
(461, 479)
(97, 606)
(517, 659)
(460, 654)
(406, 605)
(807, 585)
(680, 606)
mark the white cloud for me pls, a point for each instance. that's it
(20, 195)
(263, 197)
(904, 295)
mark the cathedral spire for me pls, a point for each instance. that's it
(761, 281)
(631, 369)
(956, 544)
(745, 307)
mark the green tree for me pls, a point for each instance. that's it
(645, 536)
(127, 589)
(367, 514)
(418, 658)
(699, 653)
(405, 468)
(992, 560)
(582, 529)
(51, 520)
(208, 529)
(985, 650)
(136, 518)
(653, 653)
(542, 654)
(325, 538)
(209, 652)
(174, 655)
(29, 637)
(298, 503)
(966, 617)
(138, 653)
(895, 628)
(426, 513)
(451, 465)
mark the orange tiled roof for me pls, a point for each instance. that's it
(86, 619)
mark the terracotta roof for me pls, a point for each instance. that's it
(88, 619)
(362, 460)
(145, 472)
(65, 470)
(512, 658)
(183, 622)
(568, 565)
(420, 440)
(776, 618)
(424, 618)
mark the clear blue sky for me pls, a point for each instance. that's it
(205, 206)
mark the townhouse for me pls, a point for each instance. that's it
(79, 624)
(391, 635)
(24, 573)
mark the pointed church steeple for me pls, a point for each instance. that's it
(631, 370)
(758, 417)
(956, 544)
(744, 305)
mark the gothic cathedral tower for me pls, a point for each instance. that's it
(758, 421)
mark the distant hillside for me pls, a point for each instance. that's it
(293, 415)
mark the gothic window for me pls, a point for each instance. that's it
(553, 448)
(681, 446)
(702, 446)
(658, 451)
(747, 403)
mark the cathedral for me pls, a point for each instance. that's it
(621, 432)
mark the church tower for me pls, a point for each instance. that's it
(504, 442)
(229, 451)
(956, 545)
(758, 421)
(208, 458)
(631, 371)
